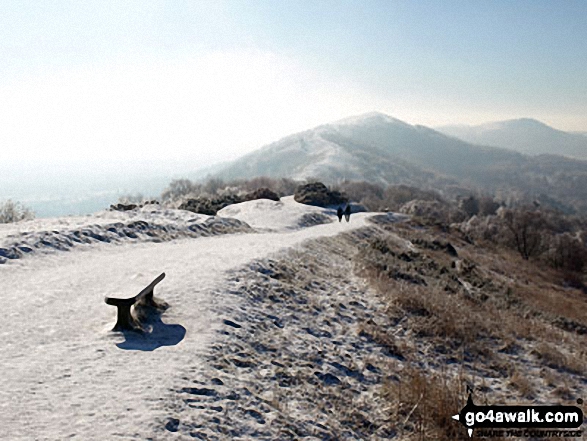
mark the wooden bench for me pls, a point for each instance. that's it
(144, 304)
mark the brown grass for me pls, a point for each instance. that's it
(423, 403)
(522, 384)
(433, 313)
(486, 327)
(384, 338)
(555, 359)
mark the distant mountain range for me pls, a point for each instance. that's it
(381, 149)
(375, 147)
(523, 135)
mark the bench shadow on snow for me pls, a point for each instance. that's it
(155, 335)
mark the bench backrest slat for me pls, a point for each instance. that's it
(132, 300)
(151, 286)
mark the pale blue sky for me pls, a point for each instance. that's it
(214, 79)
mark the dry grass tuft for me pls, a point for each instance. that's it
(422, 403)
(385, 339)
(522, 384)
(555, 359)
(481, 314)
(436, 314)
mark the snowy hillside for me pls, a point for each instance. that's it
(383, 150)
(373, 147)
(286, 214)
(65, 374)
(149, 223)
(524, 135)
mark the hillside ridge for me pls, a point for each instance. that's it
(526, 135)
(380, 149)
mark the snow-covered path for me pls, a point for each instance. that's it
(63, 375)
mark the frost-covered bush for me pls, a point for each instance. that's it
(11, 211)
(181, 188)
(436, 212)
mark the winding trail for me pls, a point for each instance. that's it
(63, 375)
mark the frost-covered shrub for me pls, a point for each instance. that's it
(11, 211)
(437, 212)
(181, 188)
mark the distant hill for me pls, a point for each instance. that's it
(375, 147)
(523, 135)
(381, 149)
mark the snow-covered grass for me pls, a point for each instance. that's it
(149, 223)
(294, 362)
(282, 215)
(65, 374)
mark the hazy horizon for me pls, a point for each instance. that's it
(197, 83)
(56, 187)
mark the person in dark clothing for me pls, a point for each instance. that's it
(347, 213)
(339, 213)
